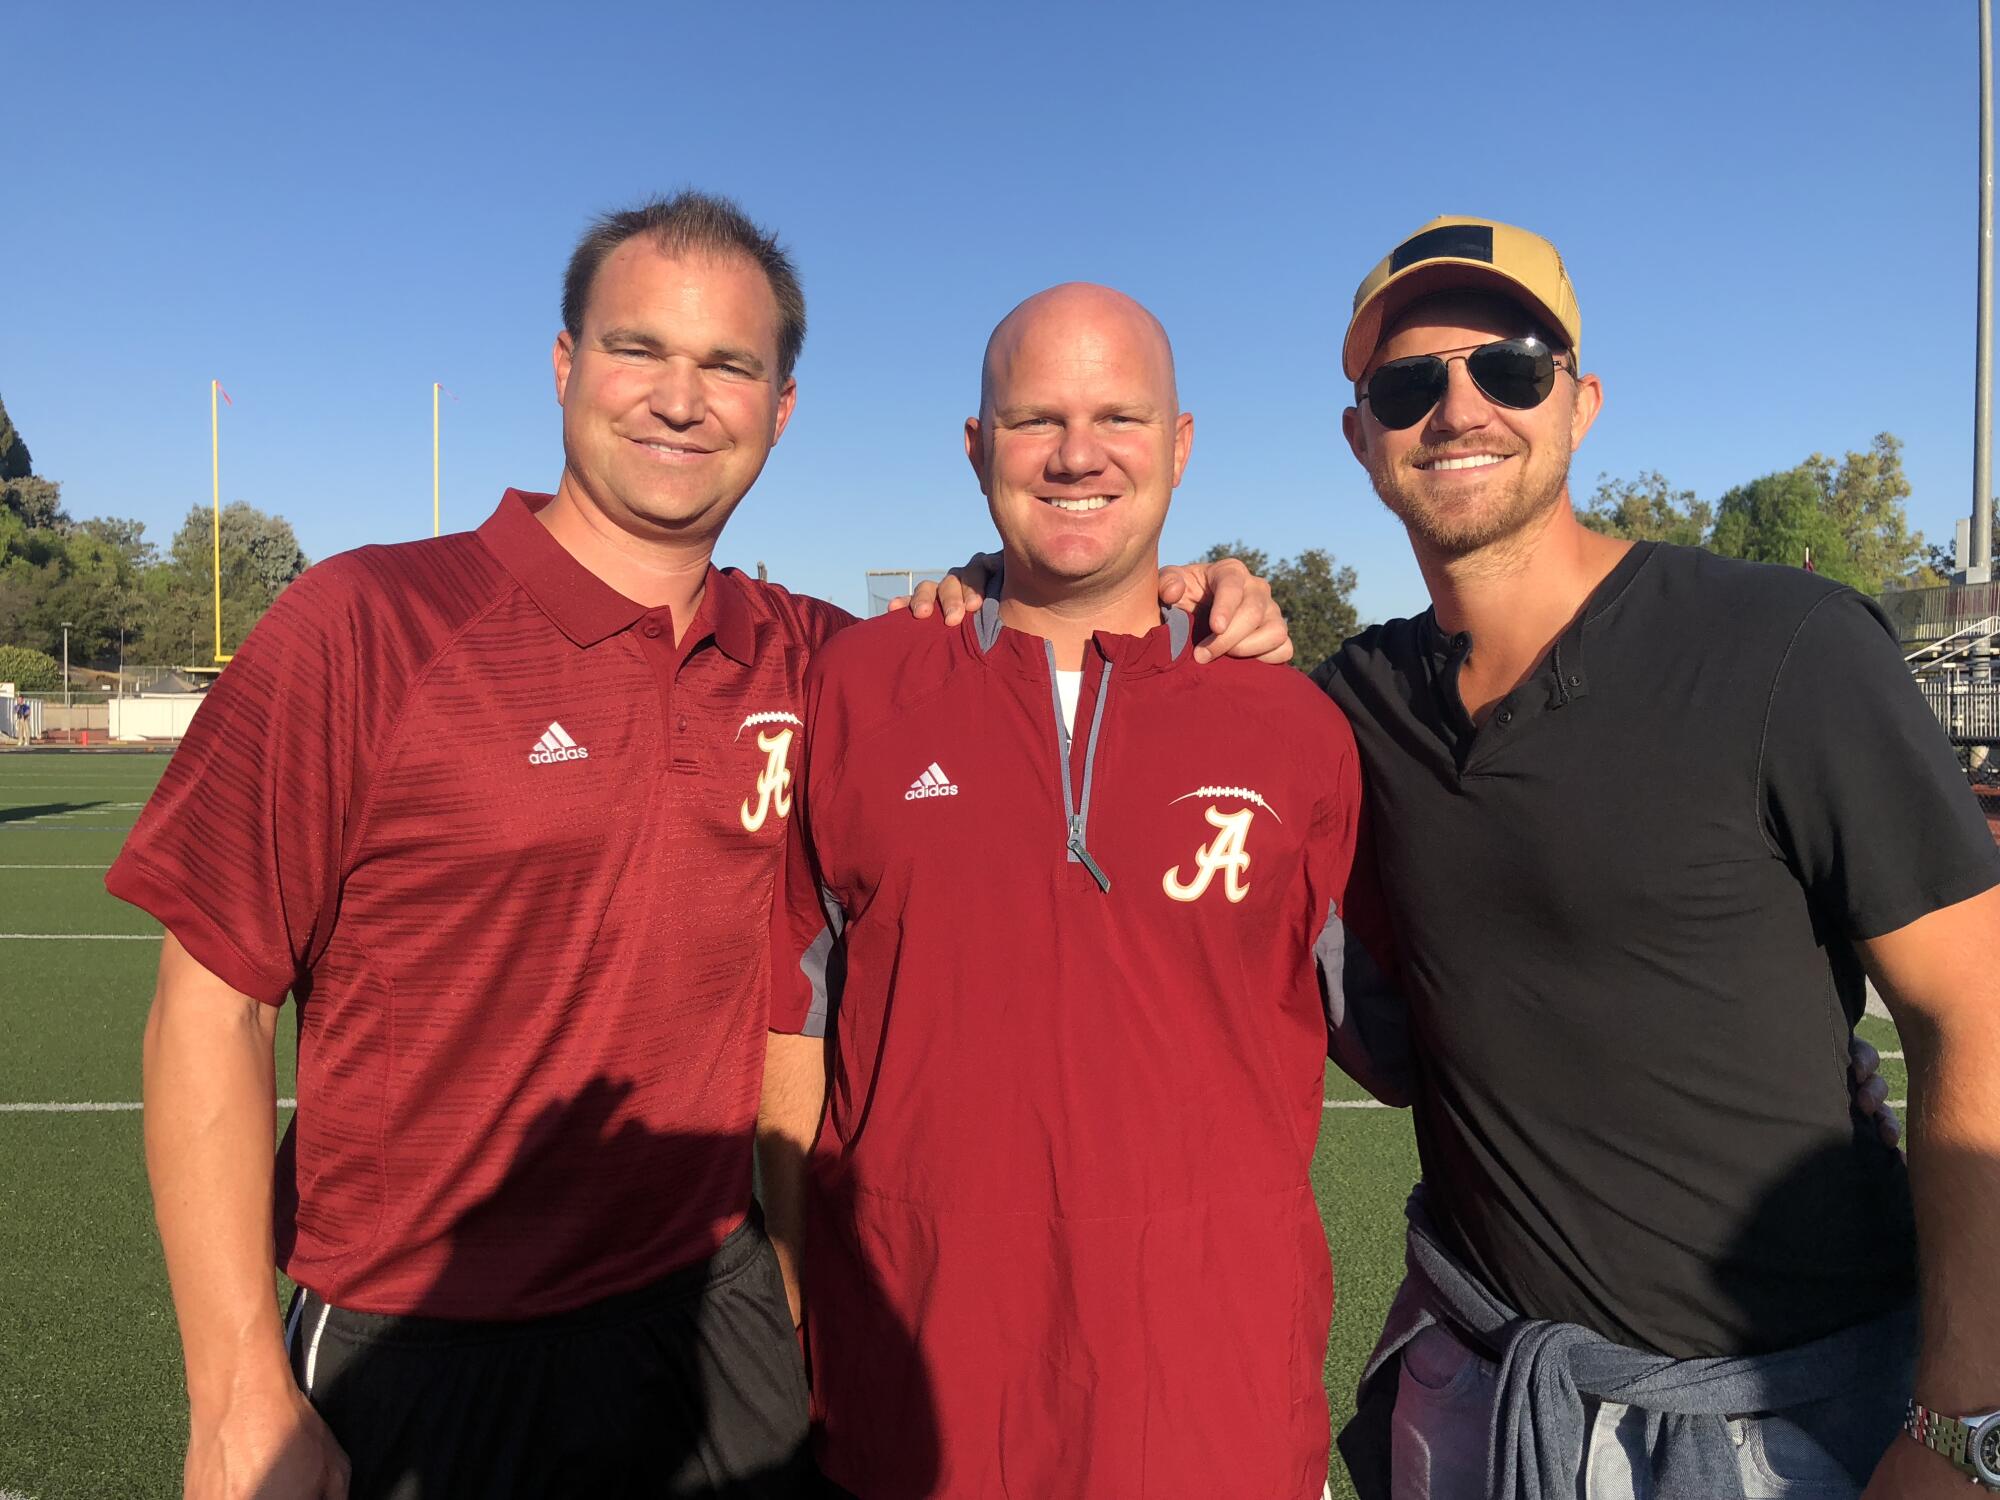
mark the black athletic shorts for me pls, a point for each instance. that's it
(690, 1387)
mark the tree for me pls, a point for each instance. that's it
(37, 501)
(1847, 513)
(260, 556)
(262, 550)
(1864, 494)
(14, 460)
(103, 577)
(1943, 560)
(1781, 518)
(1648, 509)
(1315, 593)
(129, 537)
(30, 671)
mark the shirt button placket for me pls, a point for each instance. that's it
(654, 630)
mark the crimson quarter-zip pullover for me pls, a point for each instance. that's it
(1062, 1240)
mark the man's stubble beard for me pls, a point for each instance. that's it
(1454, 534)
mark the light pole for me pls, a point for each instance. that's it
(65, 626)
(1978, 567)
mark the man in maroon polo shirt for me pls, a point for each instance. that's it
(1062, 1237)
(523, 904)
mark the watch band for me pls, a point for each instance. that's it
(1969, 1444)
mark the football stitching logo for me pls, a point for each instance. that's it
(1226, 852)
(1241, 793)
(774, 782)
(769, 718)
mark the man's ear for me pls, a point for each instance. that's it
(1183, 444)
(565, 356)
(1356, 434)
(788, 399)
(975, 452)
(1589, 402)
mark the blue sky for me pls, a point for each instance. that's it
(1768, 210)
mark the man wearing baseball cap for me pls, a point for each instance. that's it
(1649, 816)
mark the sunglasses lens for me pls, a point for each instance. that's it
(1517, 373)
(1403, 390)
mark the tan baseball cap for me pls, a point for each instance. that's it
(1452, 253)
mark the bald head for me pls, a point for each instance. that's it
(1079, 324)
(1078, 445)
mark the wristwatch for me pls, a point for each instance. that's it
(1972, 1444)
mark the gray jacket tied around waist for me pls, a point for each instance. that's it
(1547, 1370)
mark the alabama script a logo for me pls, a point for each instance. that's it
(774, 782)
(1226, 852)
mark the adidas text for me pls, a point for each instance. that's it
(933, 783)
(556, 745)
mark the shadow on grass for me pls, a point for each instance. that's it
(44, 809)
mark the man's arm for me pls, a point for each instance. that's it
(1233, 604)
(211, 1101)
(788, 1119)
(1940, 982)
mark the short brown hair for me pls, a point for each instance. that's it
(691, 221)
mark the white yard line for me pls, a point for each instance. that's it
(33, 825)
(79, 937)
(123, 1106)
(92, 1108)
(54, 867)
(77, 809)
(42, 797)
(1379, 1105)
(81, 816)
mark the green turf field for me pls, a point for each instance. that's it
(90, 1384)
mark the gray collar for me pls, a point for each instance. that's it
(987, 625)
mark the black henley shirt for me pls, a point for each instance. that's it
(1628, 904)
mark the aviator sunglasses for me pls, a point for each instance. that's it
(1515, 373)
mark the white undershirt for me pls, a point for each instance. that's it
(1068, 686)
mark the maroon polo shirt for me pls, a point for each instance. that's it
(1082, 985)
(512, 850)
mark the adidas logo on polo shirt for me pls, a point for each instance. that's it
(554, 745)
(933, 783)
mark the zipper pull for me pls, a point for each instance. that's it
(1083, 855)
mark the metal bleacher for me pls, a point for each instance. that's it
(1951, 639)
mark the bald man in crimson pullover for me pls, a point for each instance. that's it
(1060, 1238)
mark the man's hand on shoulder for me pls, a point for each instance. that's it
(1235, 608)
(960, 594)
(268, 1446)
(1231, 607)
